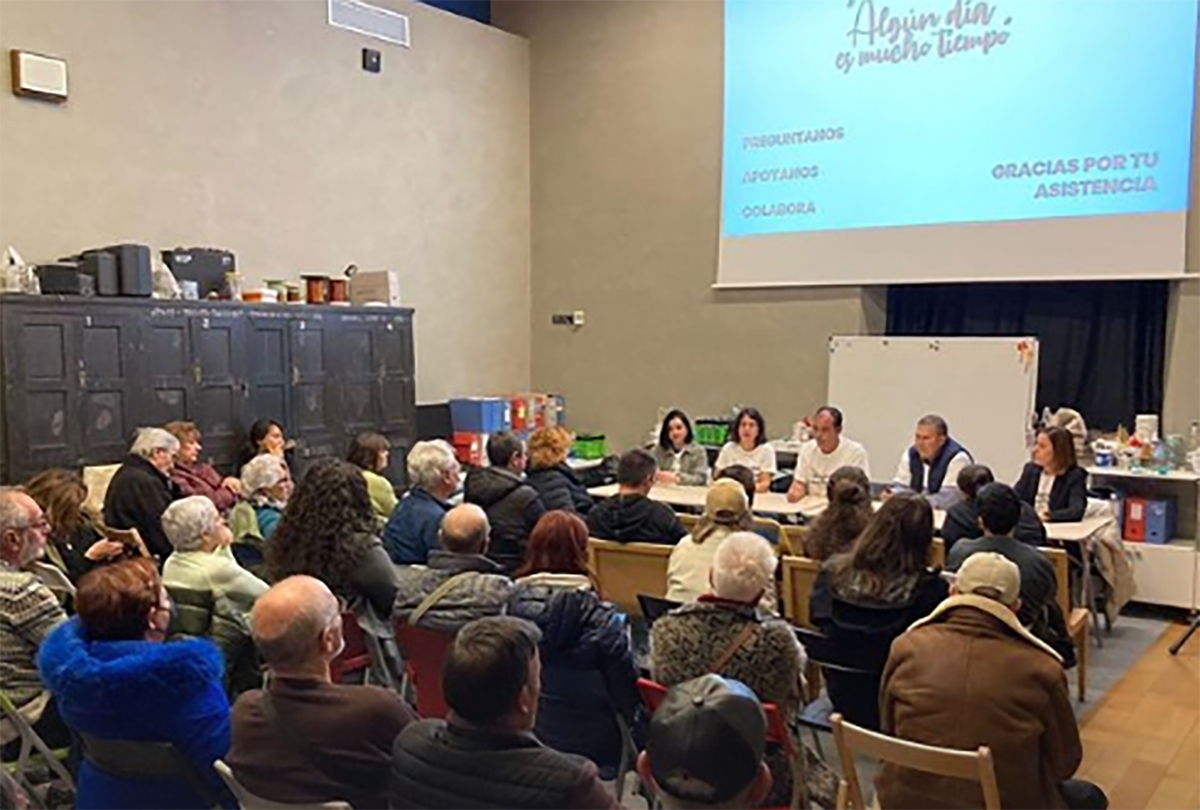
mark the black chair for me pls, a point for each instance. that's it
(816, 714)
(655, 606)
(142, 759)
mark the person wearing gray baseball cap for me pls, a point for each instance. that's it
(705, 746)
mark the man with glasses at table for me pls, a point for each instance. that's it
(28, 612)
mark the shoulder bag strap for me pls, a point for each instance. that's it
(730, 651)
(436, 596)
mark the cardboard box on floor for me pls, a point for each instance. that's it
(375, 286)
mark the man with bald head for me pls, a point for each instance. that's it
(459, 584)
(305, 740)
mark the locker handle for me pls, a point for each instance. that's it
(295, 375)
(196, 373)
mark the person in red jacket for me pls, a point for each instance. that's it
(194, 477)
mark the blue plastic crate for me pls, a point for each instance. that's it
(480, 415)
(1160, 521)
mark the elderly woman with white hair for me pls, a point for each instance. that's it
(202, 560)
(725, 633)
(142, 489)
(412, 530)
(267, 486)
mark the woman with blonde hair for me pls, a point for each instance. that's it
(76, 542)
(549, 474)
(726, 510)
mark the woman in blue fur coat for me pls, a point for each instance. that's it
(114, 678)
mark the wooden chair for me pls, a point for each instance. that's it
(768, 528)
(624, 570)
(799, 574)
(792, 540)
(975, 766)
(688, 520)
(1077, 619)
(937, 554)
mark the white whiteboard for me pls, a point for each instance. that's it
(983, 387)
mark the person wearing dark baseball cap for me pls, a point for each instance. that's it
(705, 746)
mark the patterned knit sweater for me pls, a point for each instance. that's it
(28, 612)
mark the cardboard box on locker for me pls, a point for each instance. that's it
(375, 287)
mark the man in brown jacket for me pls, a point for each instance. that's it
(969, 675)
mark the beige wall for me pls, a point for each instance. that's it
(250, 125)
(627, 119)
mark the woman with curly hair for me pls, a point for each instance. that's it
(548, 473)
(328, 532)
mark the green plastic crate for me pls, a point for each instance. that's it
(590, 446)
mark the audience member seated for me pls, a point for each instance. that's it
(266, 437)
(970, 675)
(370, 453)
(202, 560)
(748, 447)
(829, 452)
(849, 511)
(549, 474)
(705, 747)
(724, 632)
(865, 597)
(725, 627)
(962, 519)
(30, 611)
(142, 489)
(513, 507)
(931, 466)
(588, 672)
(459, 584)
(1053, 483)
(631, 516)
(327, 532)
(485, 754)
(412, 530)
(267, 484)
(194, 477)
(305, 740)
(680, 460)
(744, 476)
(76, 543)
(114, 679)
(725, 511)
(999, 509)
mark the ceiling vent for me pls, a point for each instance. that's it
(372, 21)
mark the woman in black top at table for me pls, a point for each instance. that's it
(1053, 483)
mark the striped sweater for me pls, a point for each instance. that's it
(28, 612)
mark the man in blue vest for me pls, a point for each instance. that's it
(931, 466)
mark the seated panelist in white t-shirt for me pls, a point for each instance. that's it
(931, 466)
(749, 448)
(829, 450)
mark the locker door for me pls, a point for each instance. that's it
(167, 368)
(217, 352)
(315, 400)
(42, 382)
(268, 373)
(109, 360)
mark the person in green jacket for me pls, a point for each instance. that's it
(369, 452)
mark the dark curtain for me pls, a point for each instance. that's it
(1103, 344)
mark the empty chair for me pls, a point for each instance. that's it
(424, 651)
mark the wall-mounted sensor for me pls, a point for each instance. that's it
(372, 60)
